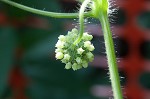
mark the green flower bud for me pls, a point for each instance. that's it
(68, 66)
(90, 56)
(67, 57)
(91, 59)
(90, 37)
(80, 51)
(64, 61)
(78, 60)
(84, 64)
(59, 55)
(79, 66)
(75, 66)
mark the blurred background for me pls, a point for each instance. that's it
(29, 70)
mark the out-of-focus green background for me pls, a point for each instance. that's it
(27, 45)
(27, 42)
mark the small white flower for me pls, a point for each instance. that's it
(59, 44)
(80, 51)
(66, 57)
(87, 44)
(91, 48)
(62, 38)
(68, 66)
(59, 55)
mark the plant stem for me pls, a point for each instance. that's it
(81, 20)
(44, 13)
(112, 63)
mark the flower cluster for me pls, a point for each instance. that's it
(74, 56)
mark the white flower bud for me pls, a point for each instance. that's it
(58, 50)
(67, 57)
(59, 55)
(75, 30)
(91, 48)
(80, 51)
(84, 64)
(59, 44)
(87, 44)
(87, 37)
(78, 60)
(65, 51)
(62, 38)
(75, 66)
(69, 33)
(68, 66)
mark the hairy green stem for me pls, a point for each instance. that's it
(44, 13)
(112, 62)
(81, 20)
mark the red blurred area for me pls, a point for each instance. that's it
(18, 84)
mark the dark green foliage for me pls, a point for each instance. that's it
(7, 49)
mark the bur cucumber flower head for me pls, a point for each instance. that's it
(74, 56)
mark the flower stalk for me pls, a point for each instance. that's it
(101, 12)
(44, 13)
(81, 20)
(112, 62)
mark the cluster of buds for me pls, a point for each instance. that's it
(74, 56)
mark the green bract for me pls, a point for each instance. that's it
(99, 7)
(74, 56)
